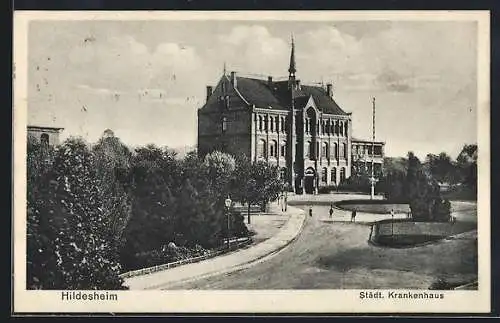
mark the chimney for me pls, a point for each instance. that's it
(298, 84)
(209, 91)
(329, 89)
(233, 78)
(270, 81)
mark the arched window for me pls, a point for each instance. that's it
(283, 149)
(44, 139)
(324, 152)
(335, 151)
(344, 149)
(342, 174)
(266, 123)
(277, 123)
(262, 148)
(306, 124)
(324, 173)
(336, 128)
(273, 148)
(283, 124)
(333, 177)
(260, 123)
(341, 128)
(345, 129)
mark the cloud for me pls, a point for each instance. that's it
(252, 49)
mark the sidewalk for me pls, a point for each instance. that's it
(226, 263)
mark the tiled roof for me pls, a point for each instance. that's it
(276, 95)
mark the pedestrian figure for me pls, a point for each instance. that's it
(310, 212)
(353, 216)
(331, 211)
(392, 213)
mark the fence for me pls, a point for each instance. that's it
(234, 244)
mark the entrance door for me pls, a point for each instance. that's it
(309, 184)
(309, 181)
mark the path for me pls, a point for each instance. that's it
(336, 255)
(226, 263)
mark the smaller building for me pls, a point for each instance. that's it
(45, 135)
(362, 156)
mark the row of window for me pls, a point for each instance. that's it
(271, 123)
(362, 150)
(274, 150)
(333, 175)
(325, 150)
(338, 128)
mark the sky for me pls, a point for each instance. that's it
(145, 80)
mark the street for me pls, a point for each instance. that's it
(336, 255)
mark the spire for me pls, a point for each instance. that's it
(224, 68)
(291, 69)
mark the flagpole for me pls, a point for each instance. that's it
(373, 151)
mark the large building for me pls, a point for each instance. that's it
(298, 127)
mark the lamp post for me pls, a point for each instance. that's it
(228, 202)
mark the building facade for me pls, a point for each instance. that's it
(45, 135)
(300, 128)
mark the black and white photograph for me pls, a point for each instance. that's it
(251, 161)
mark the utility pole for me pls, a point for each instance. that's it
(373, 151)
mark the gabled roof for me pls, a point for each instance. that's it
(277, 95)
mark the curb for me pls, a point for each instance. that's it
(243, 265)
(243, 242)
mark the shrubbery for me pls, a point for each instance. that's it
(95, 213)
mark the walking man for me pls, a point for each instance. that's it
(353, 216)
(310, 211)
(331, 211)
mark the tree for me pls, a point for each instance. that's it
(467, 166)
(155, 178)
(66, 223)
(113, 162)
(256, 183)
(441, 167)
(423, 193)
(393, 180)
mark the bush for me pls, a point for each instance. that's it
(69, 245)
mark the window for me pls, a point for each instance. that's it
(342, 174)
(341, 128)
(333, 177)
(307, 149)
(283, 124)
(344, 148)
(262, 148)
(266, 123)
(44, 139)
(317, 151)
(273, 149)
(277, 122)
(260, 123)
(283, 149)
(224, 124)
(324, 173)
(335, 151)
(345, 129)
(283, 173)
(324, 152)
(271, 124)
(307, 125)
(336, 128)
